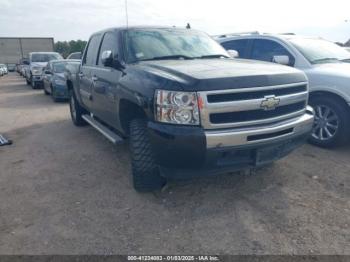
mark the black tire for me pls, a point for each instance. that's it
(339, 111)
(145, 172)
(28, 82)
(76, 110)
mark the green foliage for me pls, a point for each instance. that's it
(65, 47)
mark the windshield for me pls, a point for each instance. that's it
(59, 67)
(320, 51)
(153, 44)
(45, 57)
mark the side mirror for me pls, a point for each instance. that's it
(109, 60)
(233, 53)
(47, 72)
(281, 59)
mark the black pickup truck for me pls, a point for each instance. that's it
(186, 106)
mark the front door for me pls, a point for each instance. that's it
(105, 83)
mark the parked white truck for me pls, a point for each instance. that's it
(326, 65)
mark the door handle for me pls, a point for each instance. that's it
(94, 78)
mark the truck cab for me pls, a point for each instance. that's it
(186, 106)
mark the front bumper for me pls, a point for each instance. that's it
(182, 151)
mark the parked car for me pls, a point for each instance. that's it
(327, 68)
(76, 55)
(71, 72)
(187, 107)
(4, 69)
(2, 73)
(37, 61)
(54, 82)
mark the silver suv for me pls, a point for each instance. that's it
(326, 65)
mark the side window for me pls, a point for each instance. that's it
(265, 50)
(109, 42)
(91, 52)
(240, 45)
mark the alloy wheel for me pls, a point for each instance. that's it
(326, 123)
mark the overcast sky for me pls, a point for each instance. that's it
(77, 19)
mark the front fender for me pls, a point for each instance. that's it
(342, 93)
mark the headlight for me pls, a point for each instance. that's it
(37, 70)
(60, 82)
(177, 107)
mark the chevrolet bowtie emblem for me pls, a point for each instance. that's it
(270, 103)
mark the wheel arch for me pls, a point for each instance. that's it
(339, 98)
(128, 111)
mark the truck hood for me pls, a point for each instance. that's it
(215, 74)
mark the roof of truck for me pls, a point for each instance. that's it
(138, 27)
(287, 36)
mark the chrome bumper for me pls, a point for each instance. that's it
(249, 136)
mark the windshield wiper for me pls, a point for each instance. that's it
(167, 57)
(212, 56)
(325, 60)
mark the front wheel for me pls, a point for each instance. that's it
(76, 110)
(145, 172)
(332, 123)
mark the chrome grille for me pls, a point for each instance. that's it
(246, 107)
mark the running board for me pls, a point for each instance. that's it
(110, 135)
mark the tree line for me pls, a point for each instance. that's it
(67, 47)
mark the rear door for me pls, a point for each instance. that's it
(266, 49)
(85, 74)
(105, 86)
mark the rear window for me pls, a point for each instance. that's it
(91, 53)
(239, 45)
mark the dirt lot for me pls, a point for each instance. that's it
(67, 190)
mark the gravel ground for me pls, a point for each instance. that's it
(67, 190)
